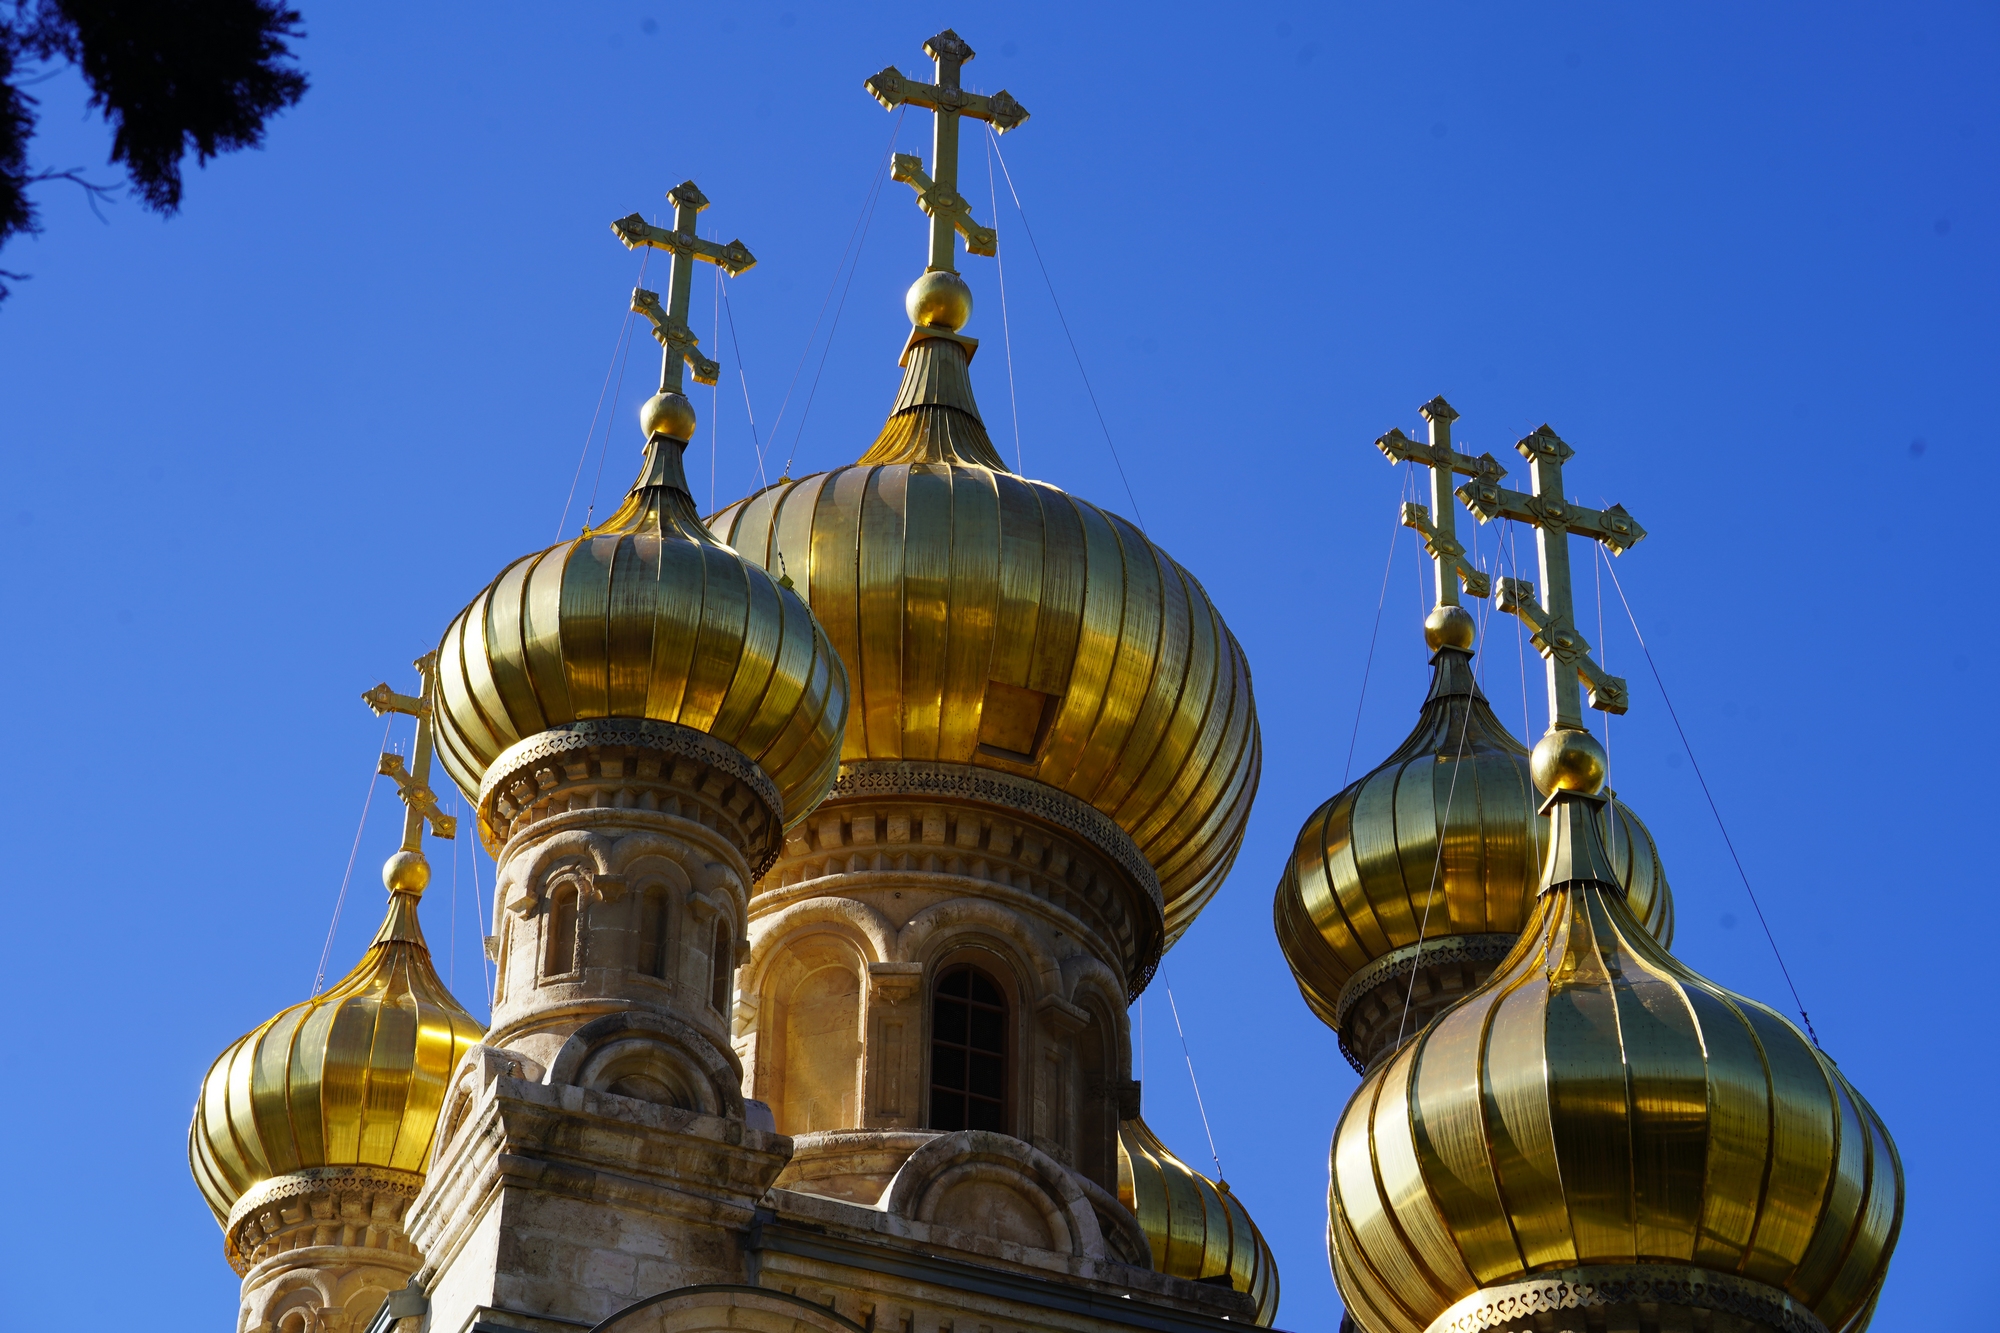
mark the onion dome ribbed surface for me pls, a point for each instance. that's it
(1598, 1103)
(994, 621)
(647, 616)
(354, 1077)
(1199, 1229)
(1366, 866)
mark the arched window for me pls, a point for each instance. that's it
(723, 962)
(654, 916)
(968, 1052)
(562, 927)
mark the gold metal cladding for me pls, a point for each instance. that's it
(1365, 869)
(677, 341)
(1599, 1102)
(937, 192)
(1554, 518)
(1198, 1229)
(354, 1077)
(647, 617)
(997, 622)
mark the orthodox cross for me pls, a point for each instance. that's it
(1552, 619)
(1438, 523)
(413, 783)
(937, 193)
(670, 327)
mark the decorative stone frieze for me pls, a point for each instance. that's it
(319, 1250)
(632, 764)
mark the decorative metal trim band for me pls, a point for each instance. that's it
(1446, 949)
(639, 733)
(886, 777)
(1517, 1303)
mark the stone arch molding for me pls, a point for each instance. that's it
(335, 1297)
(652, 1056)
(872, 934)
(601, 864)
(720, 1308)
(932, 932)
(994, 1187)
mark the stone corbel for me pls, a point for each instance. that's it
(1061, 1018)
(497, 1062)
(892, 983)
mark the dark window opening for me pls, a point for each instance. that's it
(654, 916)
(968, 1052)
(564, 920)
(723, 960)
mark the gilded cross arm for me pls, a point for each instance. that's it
(675, 336)
(1400, 448)
(938, 202)
(421, 800)
(1614, 527)
(892, 88)
(733, 258)
(382, 700)
(1558, 641)
(1446, 548)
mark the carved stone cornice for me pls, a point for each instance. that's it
(1572, 1300)
(870, 777)
(638, 764)
(349, 1207)
(928, 821)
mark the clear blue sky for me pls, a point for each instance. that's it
(1742, 257)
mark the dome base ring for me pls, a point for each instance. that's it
(1474, 955)
(1560, 1301)
(519, 783)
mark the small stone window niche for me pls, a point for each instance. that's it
(722, 964)
(562, 942)
(968, 1051)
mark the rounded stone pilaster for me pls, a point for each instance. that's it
(623, 884)
(906, 872)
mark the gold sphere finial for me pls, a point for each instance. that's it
(1568, 760)
(406, 872)
(939, 300)
(668, 414)
(1449, 627)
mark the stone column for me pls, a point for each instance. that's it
(908, 869)
(598, 1148)
(319, 1250)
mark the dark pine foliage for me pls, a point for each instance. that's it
(169, 76)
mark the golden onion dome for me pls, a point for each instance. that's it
(645, 617)
(1366, 877)
(993, 621)
(1199, 1230)
(354, 1077)
(1601, 1123)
